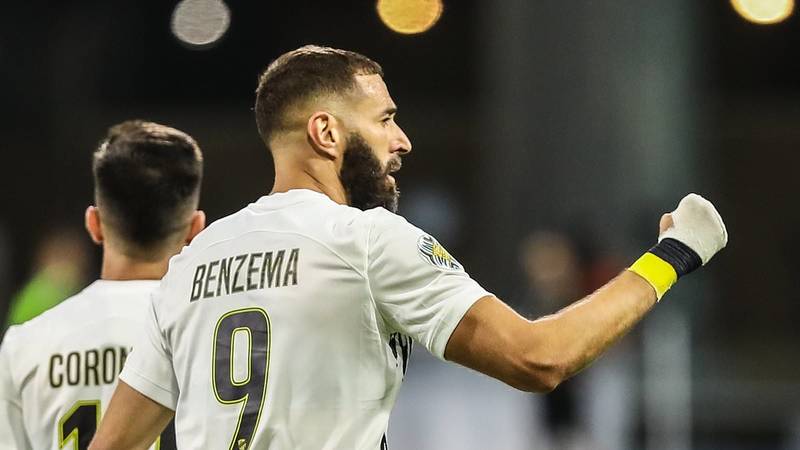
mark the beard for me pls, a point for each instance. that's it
(365, 181)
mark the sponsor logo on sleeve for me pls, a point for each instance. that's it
(434, 253)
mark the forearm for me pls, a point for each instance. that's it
(572, 338)
(538, 355)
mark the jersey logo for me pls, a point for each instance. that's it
(434, 253)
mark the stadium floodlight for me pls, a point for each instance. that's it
(409, 16)
(200, 23)
(764, 12)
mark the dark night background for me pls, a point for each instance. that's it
(590, 116)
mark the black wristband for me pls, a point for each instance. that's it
(682, 258)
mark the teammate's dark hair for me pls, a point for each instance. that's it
(147, 183)
(304, 73)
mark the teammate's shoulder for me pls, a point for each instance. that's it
(50, 318)
(10, 337)
(45, 324)
(36, 333)
(94, 302)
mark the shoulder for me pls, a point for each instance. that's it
(15, 348)
(11, 339)
(381, 221)
(389, 229)
(34, 334)
(97, 302)
(51, 321)
(393, 238)
(339, 228)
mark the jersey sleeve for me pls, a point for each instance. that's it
(12, 430)
(148, 368)
(417, 286)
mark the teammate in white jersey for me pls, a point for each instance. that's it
(58, 370)
(287, 324)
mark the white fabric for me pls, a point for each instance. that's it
(78, 346)
(698, 225)
(337, 347)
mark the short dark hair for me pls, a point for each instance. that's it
(301, 74)
(147, 182)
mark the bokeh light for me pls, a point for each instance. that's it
(764, 11)
(410, 16)
(200, 23)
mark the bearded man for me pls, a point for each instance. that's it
(288, 324)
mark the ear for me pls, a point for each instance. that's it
(91, 220)
(197, 225)
(324, 134)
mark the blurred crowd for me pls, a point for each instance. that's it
(62, 264)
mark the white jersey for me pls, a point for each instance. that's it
(286, 325)
(58, 370)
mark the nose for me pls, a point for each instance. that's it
(402, 144)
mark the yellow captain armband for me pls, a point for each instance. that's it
(659, 273)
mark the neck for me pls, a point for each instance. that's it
(117, 266)
(315, 175)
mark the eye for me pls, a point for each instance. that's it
(385, 121)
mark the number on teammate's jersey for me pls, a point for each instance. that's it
(78, 425)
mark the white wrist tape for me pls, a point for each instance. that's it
(698, 225)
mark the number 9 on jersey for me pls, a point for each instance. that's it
(230, 385)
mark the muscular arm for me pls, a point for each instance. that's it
(537, 355)
(133, 421)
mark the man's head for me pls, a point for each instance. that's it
(336, 102)
(147, 187)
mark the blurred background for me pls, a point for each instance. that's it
(548, 136)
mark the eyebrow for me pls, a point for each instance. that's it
(389, 111)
